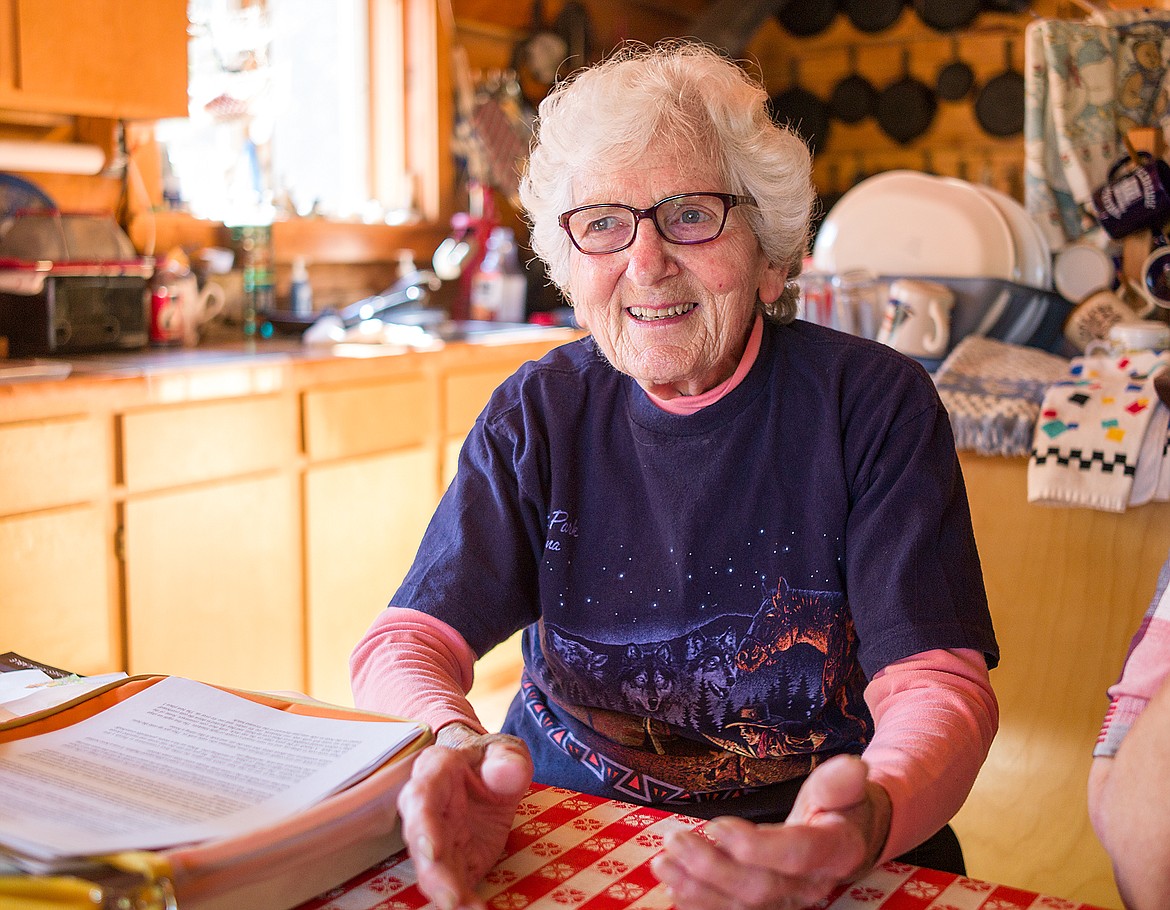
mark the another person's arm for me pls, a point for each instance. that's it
(1129, 805)
(1129, 781)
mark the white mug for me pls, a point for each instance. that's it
(198, 306)
(917, 320)
(1094, 317)
(1131, 338)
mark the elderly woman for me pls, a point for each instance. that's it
(739, 545)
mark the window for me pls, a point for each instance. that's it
(296, 106)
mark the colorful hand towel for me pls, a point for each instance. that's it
(1090, 432)
(992, 391)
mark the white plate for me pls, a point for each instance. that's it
(1033, 254)
(910, 223)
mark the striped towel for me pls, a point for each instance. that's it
(992, 391)
(1091, 430)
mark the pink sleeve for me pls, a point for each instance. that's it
(412, 665)
(935, 715)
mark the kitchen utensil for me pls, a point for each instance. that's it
(905, 108)
(576, 29)
(873, 16)
(804, 18)
(854, 96)
(947, 15)
(956, 78)
(730, 24)
(999, 106)
(801, 110)
(537, 58)
(907, 223)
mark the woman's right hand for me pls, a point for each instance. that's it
(457, 809)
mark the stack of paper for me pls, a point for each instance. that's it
(178, 762)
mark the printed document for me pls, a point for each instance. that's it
(178, 762)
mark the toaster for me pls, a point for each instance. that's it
(71, 284)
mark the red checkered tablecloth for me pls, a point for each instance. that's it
(568, 850)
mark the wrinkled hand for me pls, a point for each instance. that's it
(835, 832)
(457, 809)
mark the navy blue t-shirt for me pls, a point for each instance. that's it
(705, 596)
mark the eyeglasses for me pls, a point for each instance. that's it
(684, 219)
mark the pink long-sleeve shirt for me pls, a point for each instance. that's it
(935, 713)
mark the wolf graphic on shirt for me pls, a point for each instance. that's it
(779, 681)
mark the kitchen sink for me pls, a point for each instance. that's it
(475, 330)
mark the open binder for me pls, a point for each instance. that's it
(272, 867)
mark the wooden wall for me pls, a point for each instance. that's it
(954, 145)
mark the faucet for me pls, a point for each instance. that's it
(413, 288)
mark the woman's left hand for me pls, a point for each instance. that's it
(835, 832)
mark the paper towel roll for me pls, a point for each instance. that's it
(51, 157)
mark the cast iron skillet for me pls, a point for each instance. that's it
(872, 16)
(808, 17)
(999, 106)
(947, 15)
(906, 107)
(854, 97)
(956, 78)
(801, 110)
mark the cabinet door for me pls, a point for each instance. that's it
(56, 602)
(364, 518)
(104, 58)
(214, 583)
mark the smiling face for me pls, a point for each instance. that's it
(675, 318)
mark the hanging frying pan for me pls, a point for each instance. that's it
(854, 97)
(730, 24)
(802, 111)
(956, 78)
(999, 106)
(808, 17)
(947, 15)
(906, 107)
(872, 16)
(1007, 6)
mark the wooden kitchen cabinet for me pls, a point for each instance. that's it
(56, 543)
(211, 528)
(213, 583)
(122, 59)
(369, 490)
(240, 521)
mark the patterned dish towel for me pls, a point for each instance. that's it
(993, 390)
(1091, 430)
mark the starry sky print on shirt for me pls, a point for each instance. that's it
(614, 590)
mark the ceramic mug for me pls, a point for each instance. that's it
(1155, 278)
(917, 320)
(1094, 318)
(1135, 197)
(197, 305)
(1131, 338)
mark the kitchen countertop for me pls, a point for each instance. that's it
(230, 366)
